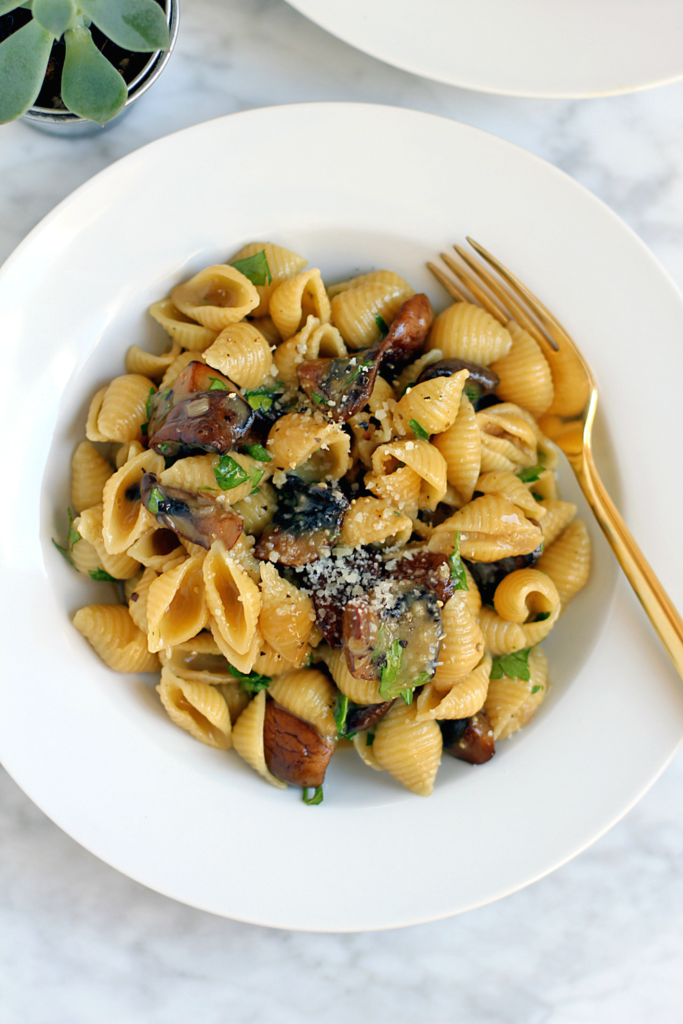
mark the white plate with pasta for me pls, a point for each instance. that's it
(320, 542)
(551, 48)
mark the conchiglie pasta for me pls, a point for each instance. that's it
(462, 647)
(360, 691)
(198, 473)
(524, 373)
(282, 264)
(176, 605)
(242, 662)
(558, 515)
(287, 615)
(196, 707)
(508, 441)
(89, 525)
(511, 487)
(465, 331)
(149, 365)
(159, 549)
(408, 749)
(217, 296)
(420, 456)
(374, 521)
(297, 440)
(137, 602)
(460, 446)
(257, 510)
(233, 598)
(310, 695)
(463, 700)
(184, 331)
(241, 353)
(511, 703)
(124, 518)
(115, 637)
(490, 528)
(199, 660)
(401, 488)
(89, 473)
(525, 593)
(128, 450)
(313, 341)
(413, 370)
(177, 367)
(356, 308)
(247, 739)
(296, 299)
(567, 561)
(434, 404)
(118, 412)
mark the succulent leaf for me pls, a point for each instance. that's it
(9, 5)
(91, 86)
(23, 60)
(138, 25)
(54, 15)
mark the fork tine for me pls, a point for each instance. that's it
(479, 294)
(551, 325)
(446, 282)
(517, 311)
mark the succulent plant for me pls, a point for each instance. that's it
(90, 85)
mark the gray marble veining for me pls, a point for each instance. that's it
(597, 942)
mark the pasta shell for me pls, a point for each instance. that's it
(160, 549)
(567, 561)
(558, 515)
(287, 615)
(176, 605)
(89, 525)
(357, 306)
(282, 264)
(297, 439)
(241, 353)
(420, 456)
(462, 647)
(490, 527)
(137, 602)
(233, 598)
(374, 521)
(113, 634)
(89, 473)
(524, 593)
(313, 341)
(216, 297)
(177, 367)
(184, 331)
(466, 331)
(463, 700)
(149, 365)
(434, 404)
(512, 488)
(247, 738)
(196, 707)
(460, 446)
(511, 703)
(123, 409)
(124, 518)
(310, 695)
(524, 373)
(242, 662)
(360, 691)
(408, 749)
(296, 299)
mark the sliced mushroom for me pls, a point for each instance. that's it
(469, 739)
(203, 410)
(334, 581)
(407, 335)
(428, 567)
(481, 381)
(306, 525)
(362, 717)
(294, 749)
(192, 516)
(394, 634)
(341, 387)
(487, 575)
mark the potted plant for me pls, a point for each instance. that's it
(75, 65)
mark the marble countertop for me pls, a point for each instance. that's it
(598, 941)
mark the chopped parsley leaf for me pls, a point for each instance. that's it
(390, 669)
(340, 717)
(514, 666)
(407, 695)
(163, 448)
(472, 392)
(317, 797)
(382, 325)
(261, 398)
(155, 496)
(535, 689)
(537, 497)
(370, 738)
(229, 473)
(542, 616)
(72, 538)
(255, 268)
(358, 370)
(527, 476)
(418, 430)
(258, 452)
(318, 399)
(218, 385)
(252, 683)
(458, 574)
(144, 428)
(256, 479)
(101, 576)
(148, 404)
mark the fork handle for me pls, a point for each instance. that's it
(649, 591)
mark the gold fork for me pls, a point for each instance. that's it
(569, 421)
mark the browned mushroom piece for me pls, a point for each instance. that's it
(469, 739)
(394, 634)
(203, 409)
(192, 516)
(428, 567)
(481, 381)
(362, 717)
(294, 749)
(340, 387)
(306, 525)
(407, 335)
(332, 582)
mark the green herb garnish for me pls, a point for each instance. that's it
(472, 393)
(382, 325)
(255, 268)
(317, 797)
(390, 669)
(514, 666)
(258, 452)
(229, 473)
(537, 497)
(148, 403)
(358, 370)
(256, 479)
(163, 448)
(218, 385)
(340, 717)
(542, 616)
(155, 496)
(535, 689)
(252, 683)
(318, 399)
(527, 476)
(72, 537)
(101, 576)
(418, 430)
(261, 398)
(369, 738)
(407, 695)
(458, 574)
